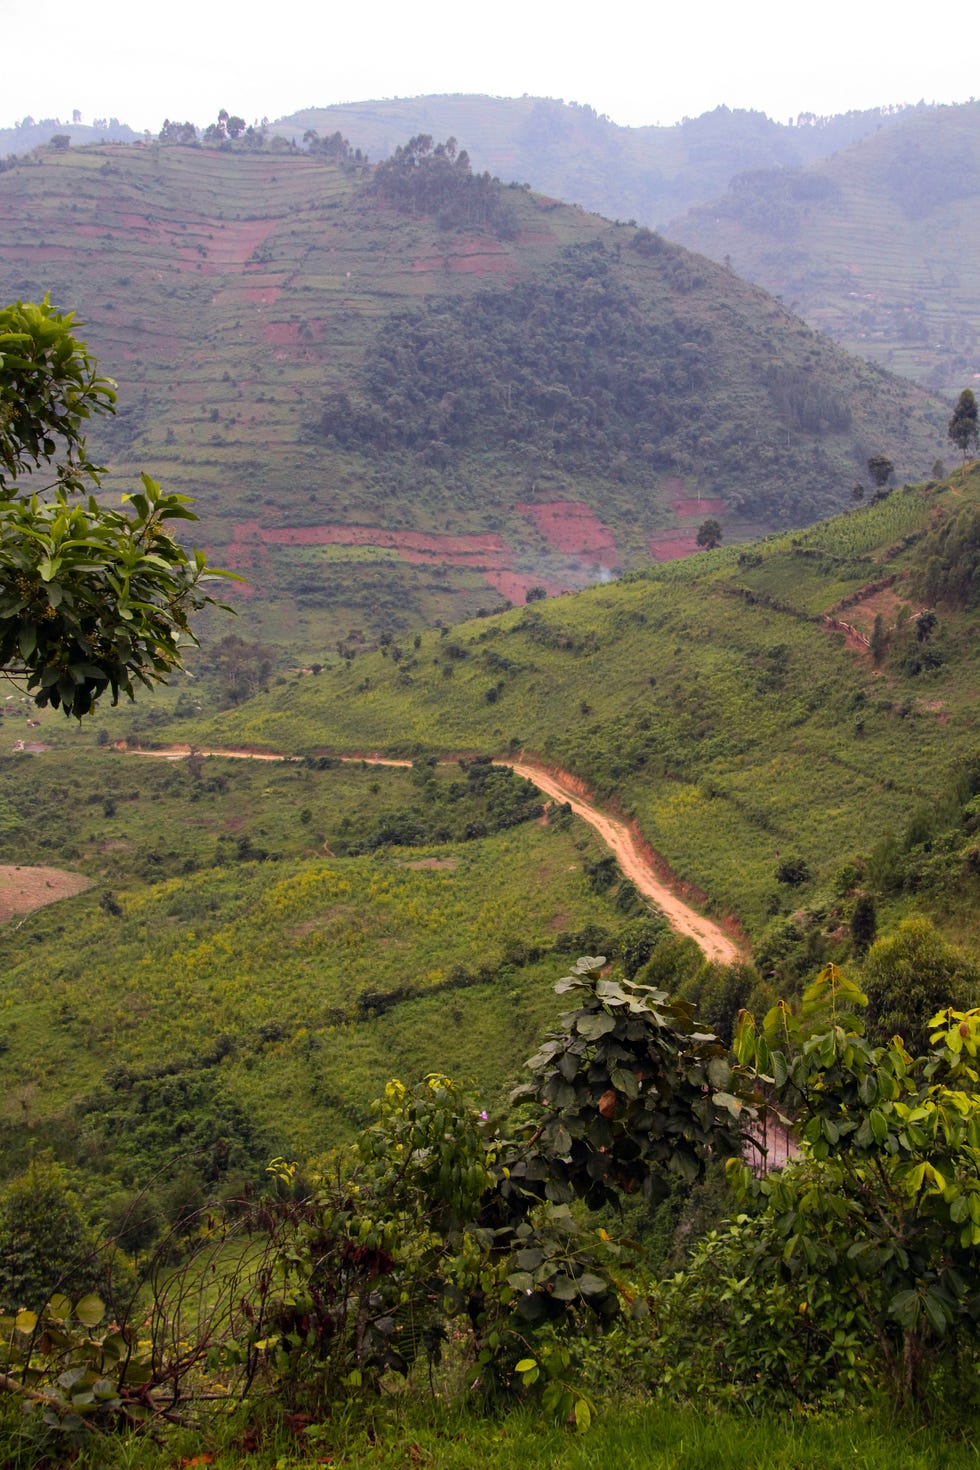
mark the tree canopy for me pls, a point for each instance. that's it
(91, 598)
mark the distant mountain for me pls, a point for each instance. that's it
(876, 245)
(406, 396)
(568, 150)
(29, 134)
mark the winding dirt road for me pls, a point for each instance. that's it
(621, 841)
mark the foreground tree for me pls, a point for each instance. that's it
(884, 1206)
(91, 598)
(963, 426)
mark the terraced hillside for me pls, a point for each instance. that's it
(391, 419)
(875, 245)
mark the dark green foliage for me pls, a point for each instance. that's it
(630, 1088)
(420, 178)
(948, 571)
(881, 469)
(91, 600)
(46, 1243)
(883, 1207)
(491, 799)
(864, 922)
(571, 363)
(145, 1123)
(709, 534)
(909, 976)
(794, 871)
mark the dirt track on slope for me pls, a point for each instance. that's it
(636, 860)
(627, 848)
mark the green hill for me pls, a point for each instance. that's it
(872, 245)
(787, 698)
(407, 399)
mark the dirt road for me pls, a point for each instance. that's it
(635, 865)
(622, 843)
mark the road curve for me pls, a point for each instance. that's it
(622, 843)
(624, 846)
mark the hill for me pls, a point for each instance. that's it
(810, 697)
(406, 397)
(568, 150)
(873, 245)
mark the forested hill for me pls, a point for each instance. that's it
(649, 174)
(407, 394)
(876, 245)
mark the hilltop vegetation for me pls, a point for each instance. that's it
(281, 329)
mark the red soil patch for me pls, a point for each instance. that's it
(515, 585)
(480, 552)
(691, 506)
(671, 545)
(476, 256)
(573, 528)
(22, 890)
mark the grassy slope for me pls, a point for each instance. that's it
(882, 257)
(707, 697)
(303, 981)
(229, 292)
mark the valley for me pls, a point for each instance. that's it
(580, 790)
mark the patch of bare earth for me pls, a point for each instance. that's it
(22, 890)
(442, 865)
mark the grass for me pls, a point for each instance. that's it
(650, 1437)
(296, 983)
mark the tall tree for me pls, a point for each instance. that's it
(963, 426)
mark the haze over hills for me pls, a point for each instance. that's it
(568, 150)
(404, 404)
(875, 245)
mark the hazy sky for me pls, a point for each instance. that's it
(643, 62)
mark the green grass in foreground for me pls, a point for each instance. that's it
(654, 1437)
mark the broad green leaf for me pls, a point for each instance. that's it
(90, 1310)
(592, 1026)
(583, 1416)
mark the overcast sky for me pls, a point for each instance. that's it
(644, 62)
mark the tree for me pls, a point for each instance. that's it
(45, 1242)
(881, 469)
(91, 598)
(884, 1205)
(909, 976)
(709, 534)
(963, 426)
